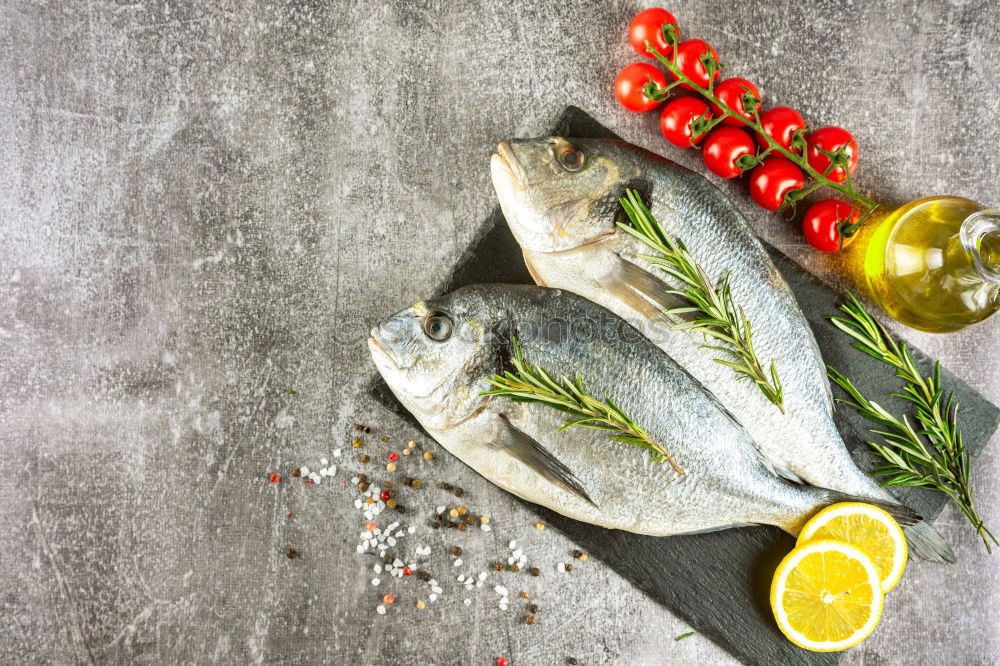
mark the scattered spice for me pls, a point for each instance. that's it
(387, 484)
(583, 557)
(498, 566)
(532, 608)
(428, 455)
(462, 527)
(425, 575)
(309, 482)
(292, 553)
(421, 605)
(388, 599)
(357, 443)
(485, 520)
(385, 438)
(569, 566)
(384, 495)
(363, 486)
(530, 619)
(407, 571)
(515, 569)
(463, 510)
(470, 520)
(576, 553)
(456, 550)
(453, 513)
(363, 428)
(400, 508)
(362, 477)
(535, 571)
(393, 457)
(571, 661)
(416, 484)
(275, 478)
(501, 661)
(297, 472)
(539, 526)
(458, 492)
(406, 452)
(412, 444)
(291, 391)
(407, 481)
(436, 525)
(365, 459)
(391, 503)
(525, 595)
(685, 635)
(391, 467)
(444, 485)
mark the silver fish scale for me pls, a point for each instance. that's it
(725, 482)
(803, 442)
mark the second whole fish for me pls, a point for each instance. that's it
(561, 200)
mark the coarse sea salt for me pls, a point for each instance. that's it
(380, 610)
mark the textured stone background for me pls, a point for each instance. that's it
(205, 204)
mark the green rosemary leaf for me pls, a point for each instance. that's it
(721, 318)
(536, 385)
(929, 454)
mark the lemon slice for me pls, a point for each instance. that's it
(866, 527)
(826, 596)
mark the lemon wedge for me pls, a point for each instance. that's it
(869, 529)
(826, 596)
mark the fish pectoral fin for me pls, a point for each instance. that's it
(540, 460)
(644, 292)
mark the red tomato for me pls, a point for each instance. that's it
(772, 180)
(647, 27)
(822, 223)
(831, 139)
(723, 147)
(730, 92)
(688, 60)
(781, 123)
(629, 84)
(676, 119)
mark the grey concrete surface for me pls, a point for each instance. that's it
(204, 205)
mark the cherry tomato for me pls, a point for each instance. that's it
(831, 139)
(774, 178)
(688, 60)
(723, 147)
(730, 92)
(781, 123)
(647, 27)
(822, 223)
(676, 119)
(629, 84)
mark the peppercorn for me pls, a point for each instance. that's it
(577, 554)
(459, 492)
(456, 550)
(470, 520)
(415, 484)
(436, 525)
(362, 477)
(357, 443)
(462, 527)
(535, 571)
(400, 508)
(362, 486)
(297, 472)
(498, 566)
(387, 484)
(363, 428)
(365, 459)
(530, 619)
(525, 595)
(532, 608)
(428, 455)
(385, 438)
(569, 567)
(391, 503)
(292, 553)
(444, 485)
(571, 661)
(515, 569)
(425, 575)
(407, 481)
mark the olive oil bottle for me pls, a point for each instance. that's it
(934, 264)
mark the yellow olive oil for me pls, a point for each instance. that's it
(934, 264)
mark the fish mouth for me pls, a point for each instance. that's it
(504, 160)
(378, 351)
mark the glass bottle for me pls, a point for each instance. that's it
(934, 264)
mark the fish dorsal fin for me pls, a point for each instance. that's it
(540, 460)
(643, 292)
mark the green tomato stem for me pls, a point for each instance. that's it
(822, 180)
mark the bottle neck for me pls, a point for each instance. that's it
(980, 235)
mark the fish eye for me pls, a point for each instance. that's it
(570, 158)
(437, 327)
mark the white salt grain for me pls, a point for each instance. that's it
(380, 610)
(375, 582)
(467, 602)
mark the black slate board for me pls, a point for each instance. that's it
(719, 582)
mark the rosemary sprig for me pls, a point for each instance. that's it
(535, 384)
(716, 315)
(797, 155)
(929, 456)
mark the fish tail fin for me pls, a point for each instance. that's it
(924, 541)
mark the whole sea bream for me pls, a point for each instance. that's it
(437, 355)
(561, 200)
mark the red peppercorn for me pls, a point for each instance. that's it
(501, 661)
(406, 571)
(384, 495)
(309, 482)
(393, 457)
(275, 478)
